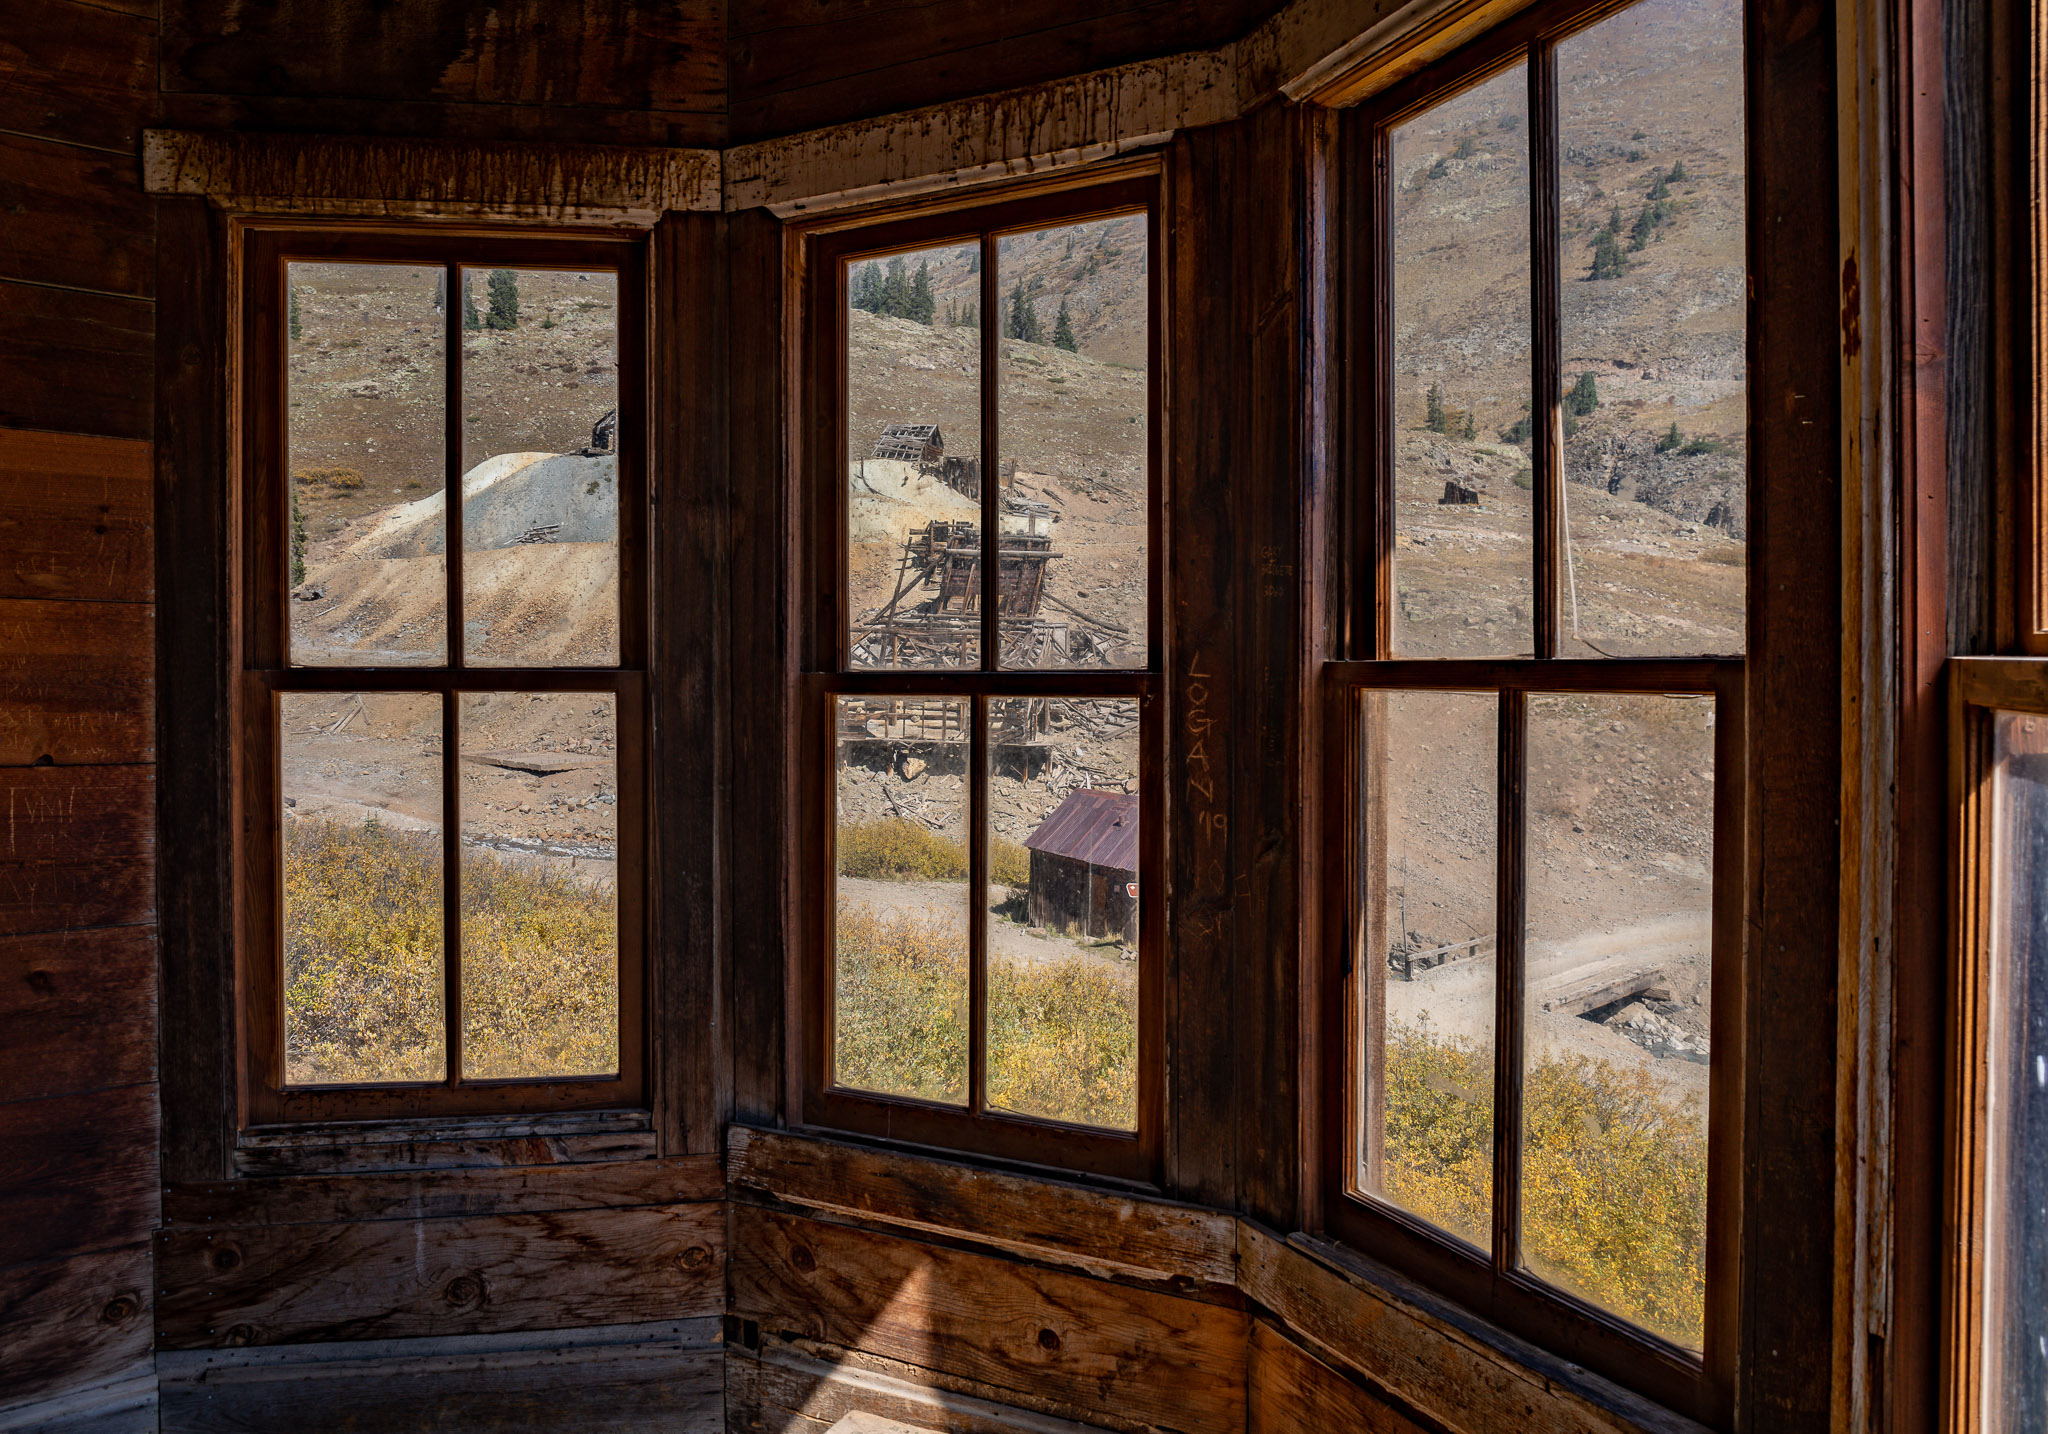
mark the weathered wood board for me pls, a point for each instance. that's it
(477, 1151)
(75, 362)
(656, 1378)
(77, 848)
(1061, 1224)
(76, 217)
(80, 682)
(77, 71)
(1077, 1343)
(75, 516)
(77, 1011)
(81, 1173)
(1290, 1390)
(399, 1279)
(71, 1322)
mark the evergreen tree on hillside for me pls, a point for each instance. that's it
(867, 288)
(1678, 174)
(1063, 331)
(1608, 260)
(504, 294)
(1021, 322)
(470, 318)
(895, 298)
(1582, 397)
(920, 305)
(1433, 416)
(298, 539)
(968, 318)
(1645, 225)
(292, 312)
(1658, 188)
(1670, 440)
(1471, 429)
(1614, 222)
(441, 292)
(974, 260)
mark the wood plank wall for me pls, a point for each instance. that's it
(78, 994)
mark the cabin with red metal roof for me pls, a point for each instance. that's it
(1084, 866)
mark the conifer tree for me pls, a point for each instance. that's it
(1678, 174)
(867, 288)
(1614, 221)
(1670, 440)
(1645, 225)
(974, 261)
(298, 539)
(895, 296)
(1433, 409)
(920, 304)
(1608, 261)
(1658, 189)
(1063, 331)
(1022, 321)
(504, 296)
(441, 292)
(1470, 429)
(292, 313)
(470, 318)
(1582, 397)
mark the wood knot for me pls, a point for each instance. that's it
(464, 1291)
(1048, 1341)
(119, 1309)
(225, 1258)
(694, 1258)
(803, 1259)
(238, 1336)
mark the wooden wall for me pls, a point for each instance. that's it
(78, 1058)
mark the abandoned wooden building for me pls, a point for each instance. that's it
(1483, 871)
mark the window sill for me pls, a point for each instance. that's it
(368, 1146)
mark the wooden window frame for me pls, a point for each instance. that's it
(1491, 1282)
(827, 252)
(266, 673)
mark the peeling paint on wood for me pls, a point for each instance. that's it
(614, 185)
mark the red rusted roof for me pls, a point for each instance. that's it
(1092, 826)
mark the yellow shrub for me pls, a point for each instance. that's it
(896, 849)
(346, 480)
(363, 968)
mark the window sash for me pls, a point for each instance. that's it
(267, 674)
(975, 1128)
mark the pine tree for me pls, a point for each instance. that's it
(974, 261)
(1467, 147)
(1022, 321)
(1582, 397)
(1608, 261)
(1670, 440)
(1658, 188)
(504, 292)
(920, 305)
(1614, 222)
(867, 288)
(1063, 331)
(1470, 431)
(968, 318)
(441, 292)
(1678, 174)
(292, 312)
(470, 318)
(895, 295)
(1433, 410)
(1646, 223)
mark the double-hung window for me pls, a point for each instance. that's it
(982, 794)
(442, 702)
(1538, 738)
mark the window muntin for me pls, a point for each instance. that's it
(955, 728)
(1486, 1151)
(442, 886)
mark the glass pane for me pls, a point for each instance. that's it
(365, 433)
(899, 1003)
(1426, 997)
(540, 889)
(1072, 408)
(1620, 812)
(361, 831)
(2016, 1104)
(540, 489)
(1463, 565)
(1063, 910)
(1655, 510)
(913, 459)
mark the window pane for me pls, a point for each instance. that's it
(1620, 813)
(1426, 998)
(540, 490)
(365, 441)
(362, 914)
(899, 1013)
(1063, 910)
(2016, 1105)
(1072, 409)
(1656, 521)
(1463, 566)
(540, 904)
(913, 451)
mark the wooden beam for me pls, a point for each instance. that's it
(392, 1279)
(1098, 1231)
(608, 185)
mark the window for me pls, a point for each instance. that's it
(442, 702)
(1541, 726)
(984, 791)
